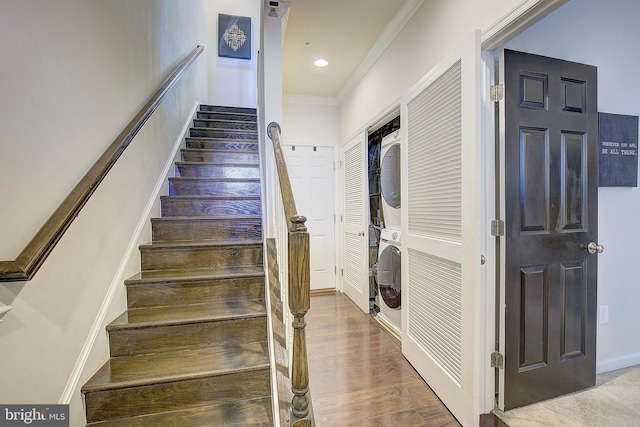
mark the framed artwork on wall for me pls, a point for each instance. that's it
(234, 36)
(618, 150)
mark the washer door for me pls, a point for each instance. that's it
(389, 277)
(390, 176)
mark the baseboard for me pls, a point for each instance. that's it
(386, 326)
(618, 363)
(119, 278)
(321, 292)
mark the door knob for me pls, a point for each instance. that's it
(361, 233)
(593, 248)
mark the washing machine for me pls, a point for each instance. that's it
(389, 279)
(390, 180)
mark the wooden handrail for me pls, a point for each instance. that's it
(25, 266)
(299, 283)
(273, 130)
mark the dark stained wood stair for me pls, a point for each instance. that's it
(191, 349)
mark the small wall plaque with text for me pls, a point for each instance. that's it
(618, 148)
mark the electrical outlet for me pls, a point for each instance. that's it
(604, 314)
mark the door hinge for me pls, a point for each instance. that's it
(497, 360)
(342, 272)
(335, 270)
(497, 92)
(497, 228)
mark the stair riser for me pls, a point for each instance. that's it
(199, 207)
(222, 144)
(127, 342)
(169, 294)
(226, 116)
(132, 401)
(218, 171)
(176, 230)
(255, 412)
(225, 124)
(224, 134)
(219, 157)
(209, 257)
(225, 109)
(179, 187)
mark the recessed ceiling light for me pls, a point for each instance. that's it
(321, 63)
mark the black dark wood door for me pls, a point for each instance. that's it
(551, 190)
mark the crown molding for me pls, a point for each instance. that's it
(406, 11)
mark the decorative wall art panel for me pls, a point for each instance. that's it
(234, 36)
(618, 150)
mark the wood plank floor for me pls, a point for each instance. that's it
(358, 376)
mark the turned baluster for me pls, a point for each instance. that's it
(299, 303)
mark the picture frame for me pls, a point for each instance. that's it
(234, 36)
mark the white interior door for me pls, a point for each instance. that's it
(355, 277)
(311, 173)
(441, 232)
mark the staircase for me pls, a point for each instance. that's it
(191, 350)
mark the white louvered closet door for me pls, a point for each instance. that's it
(354, 222)
(441, 219)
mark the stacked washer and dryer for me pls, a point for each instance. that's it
(390, 253)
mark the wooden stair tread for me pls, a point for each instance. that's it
(199, 244)
(212, 107)
(255, 412)
(216, 151)
(230, 131)
(187, 314)
(209, 197)
(157, 368)
(224, 121)
(222, 165)
(204, 179)
(206, 218)
(195, 275)
(251, 141)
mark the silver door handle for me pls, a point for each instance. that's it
(593, 248)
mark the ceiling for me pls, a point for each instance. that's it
(340, 31)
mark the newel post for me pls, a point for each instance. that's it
(299, 304)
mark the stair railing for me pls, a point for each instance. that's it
(25, 266)
(299, 285)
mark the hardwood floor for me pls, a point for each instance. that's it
(358, 376)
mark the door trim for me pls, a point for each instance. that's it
(521, 17)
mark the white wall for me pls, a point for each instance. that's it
(74, 72)
(233, 82)
(310, 121)
(434, 30)
(605, 33)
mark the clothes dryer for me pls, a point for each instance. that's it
(389, 279)
(390, 179)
